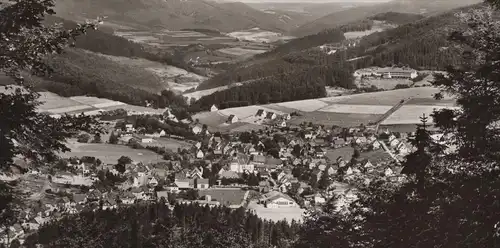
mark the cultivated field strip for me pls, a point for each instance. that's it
(344, 111)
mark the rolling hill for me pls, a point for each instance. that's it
(427, 7)
(422, 44)
(173, 14)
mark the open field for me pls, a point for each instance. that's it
(168, 143)
(55, 104)
(238, 51)
(258, 35)
(277, 214)
(380, 83)
(391, 97)
(337, 119)
(356, 109)
(109, 153)
(226, 196)
(344, 111)
(305, 105)
(410, 114)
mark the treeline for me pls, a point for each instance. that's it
(155, 225)
(397, 18)
(357, 26)
(299, 44)
(300, 85)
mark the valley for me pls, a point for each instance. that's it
(214, 123)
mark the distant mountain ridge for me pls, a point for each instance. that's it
(427, 7)
(174, 14)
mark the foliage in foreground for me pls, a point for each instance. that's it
(156, 225)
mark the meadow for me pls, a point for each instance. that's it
(344, 111)
(109, 154)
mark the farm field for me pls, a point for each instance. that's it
(343, 111)
(258, 35)
(108, 153)
(391, 97)
(356, 109)
(168, 143)
(55, 104)
(337, 119)
(277, 214)
(305, 105)
(241, 52)
(410, 114)
(386, 84)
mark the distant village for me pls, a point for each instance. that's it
(279, 166)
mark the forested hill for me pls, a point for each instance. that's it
(82, 71)
(422, 44)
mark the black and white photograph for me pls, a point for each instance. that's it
(250, 123)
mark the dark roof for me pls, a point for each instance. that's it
(269, 114)
(260, 112)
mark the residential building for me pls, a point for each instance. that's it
(197, 129)
(276, 199)
(232, 119)
(200, 154)
(261, 113)
(271, 115)
(143, 139)
(202, 183)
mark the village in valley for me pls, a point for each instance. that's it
(277, 172)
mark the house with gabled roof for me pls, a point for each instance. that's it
(261, 113)
(214, 108)
(276, 199)
(271, 116)
(232, 119)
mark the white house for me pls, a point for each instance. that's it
(129, 128)
(286, 117)
(278, 200)
(163, 133)
(318, 199)
(213, 108)
(261, 113)
(200, 154)
(271, 116)
(197, 129)
(143, 139)
(232, 119)
(153, 182)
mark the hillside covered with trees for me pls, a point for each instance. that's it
(422, 44)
